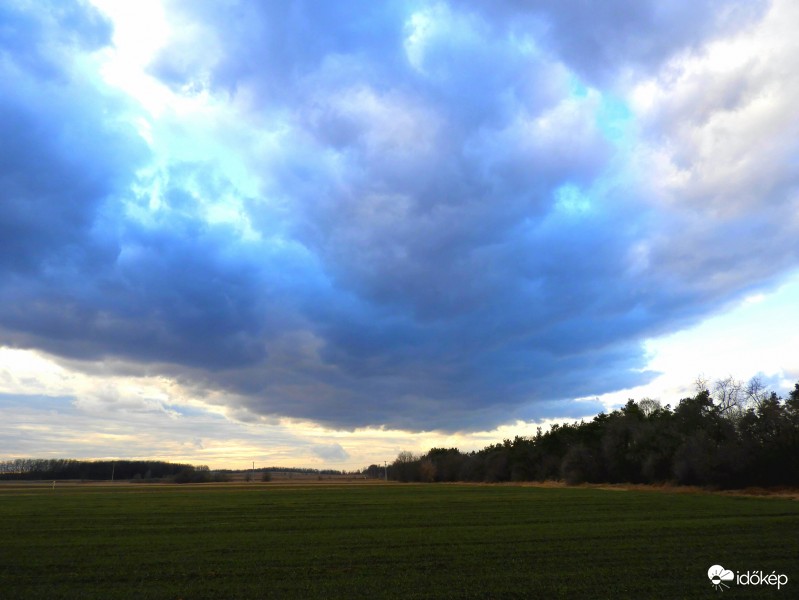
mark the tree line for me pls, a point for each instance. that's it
(733, 436)
(134, 470)
(288, 470)
(102, 470)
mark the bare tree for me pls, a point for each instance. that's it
(406, 457)
(406, 467)
(649, 406)
(756, 392)
(729, 396)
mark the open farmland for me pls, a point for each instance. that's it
(374, 540)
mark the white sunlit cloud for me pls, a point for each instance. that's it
(748, 340)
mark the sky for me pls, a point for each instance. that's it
(319, 233)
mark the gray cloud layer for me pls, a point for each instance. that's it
(451, 229)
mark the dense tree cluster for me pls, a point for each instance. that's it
(100, 470)
(735, 436)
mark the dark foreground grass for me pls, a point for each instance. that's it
(387, 541)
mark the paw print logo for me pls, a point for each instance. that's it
(718, 575)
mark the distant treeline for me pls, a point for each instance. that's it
(298, 470)
(101, 470)
(735, 436)
(134, 470)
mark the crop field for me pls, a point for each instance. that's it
(375, 540)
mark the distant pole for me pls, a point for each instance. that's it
(113, 466)
(385, 466)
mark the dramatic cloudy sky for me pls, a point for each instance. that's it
(318, 233)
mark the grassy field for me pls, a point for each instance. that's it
(325, 540)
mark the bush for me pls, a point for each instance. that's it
(427, 471)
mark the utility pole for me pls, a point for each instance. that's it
(385, 467)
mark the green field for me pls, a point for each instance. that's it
(386, 541)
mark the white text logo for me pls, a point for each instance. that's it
(719, 578)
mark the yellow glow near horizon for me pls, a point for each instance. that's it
(141, 418)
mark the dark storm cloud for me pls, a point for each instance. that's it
(596, 39)
(442, 233)
(173, 291)
(283, 39)
(61, 159)
(55, 154)
(79, 277)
